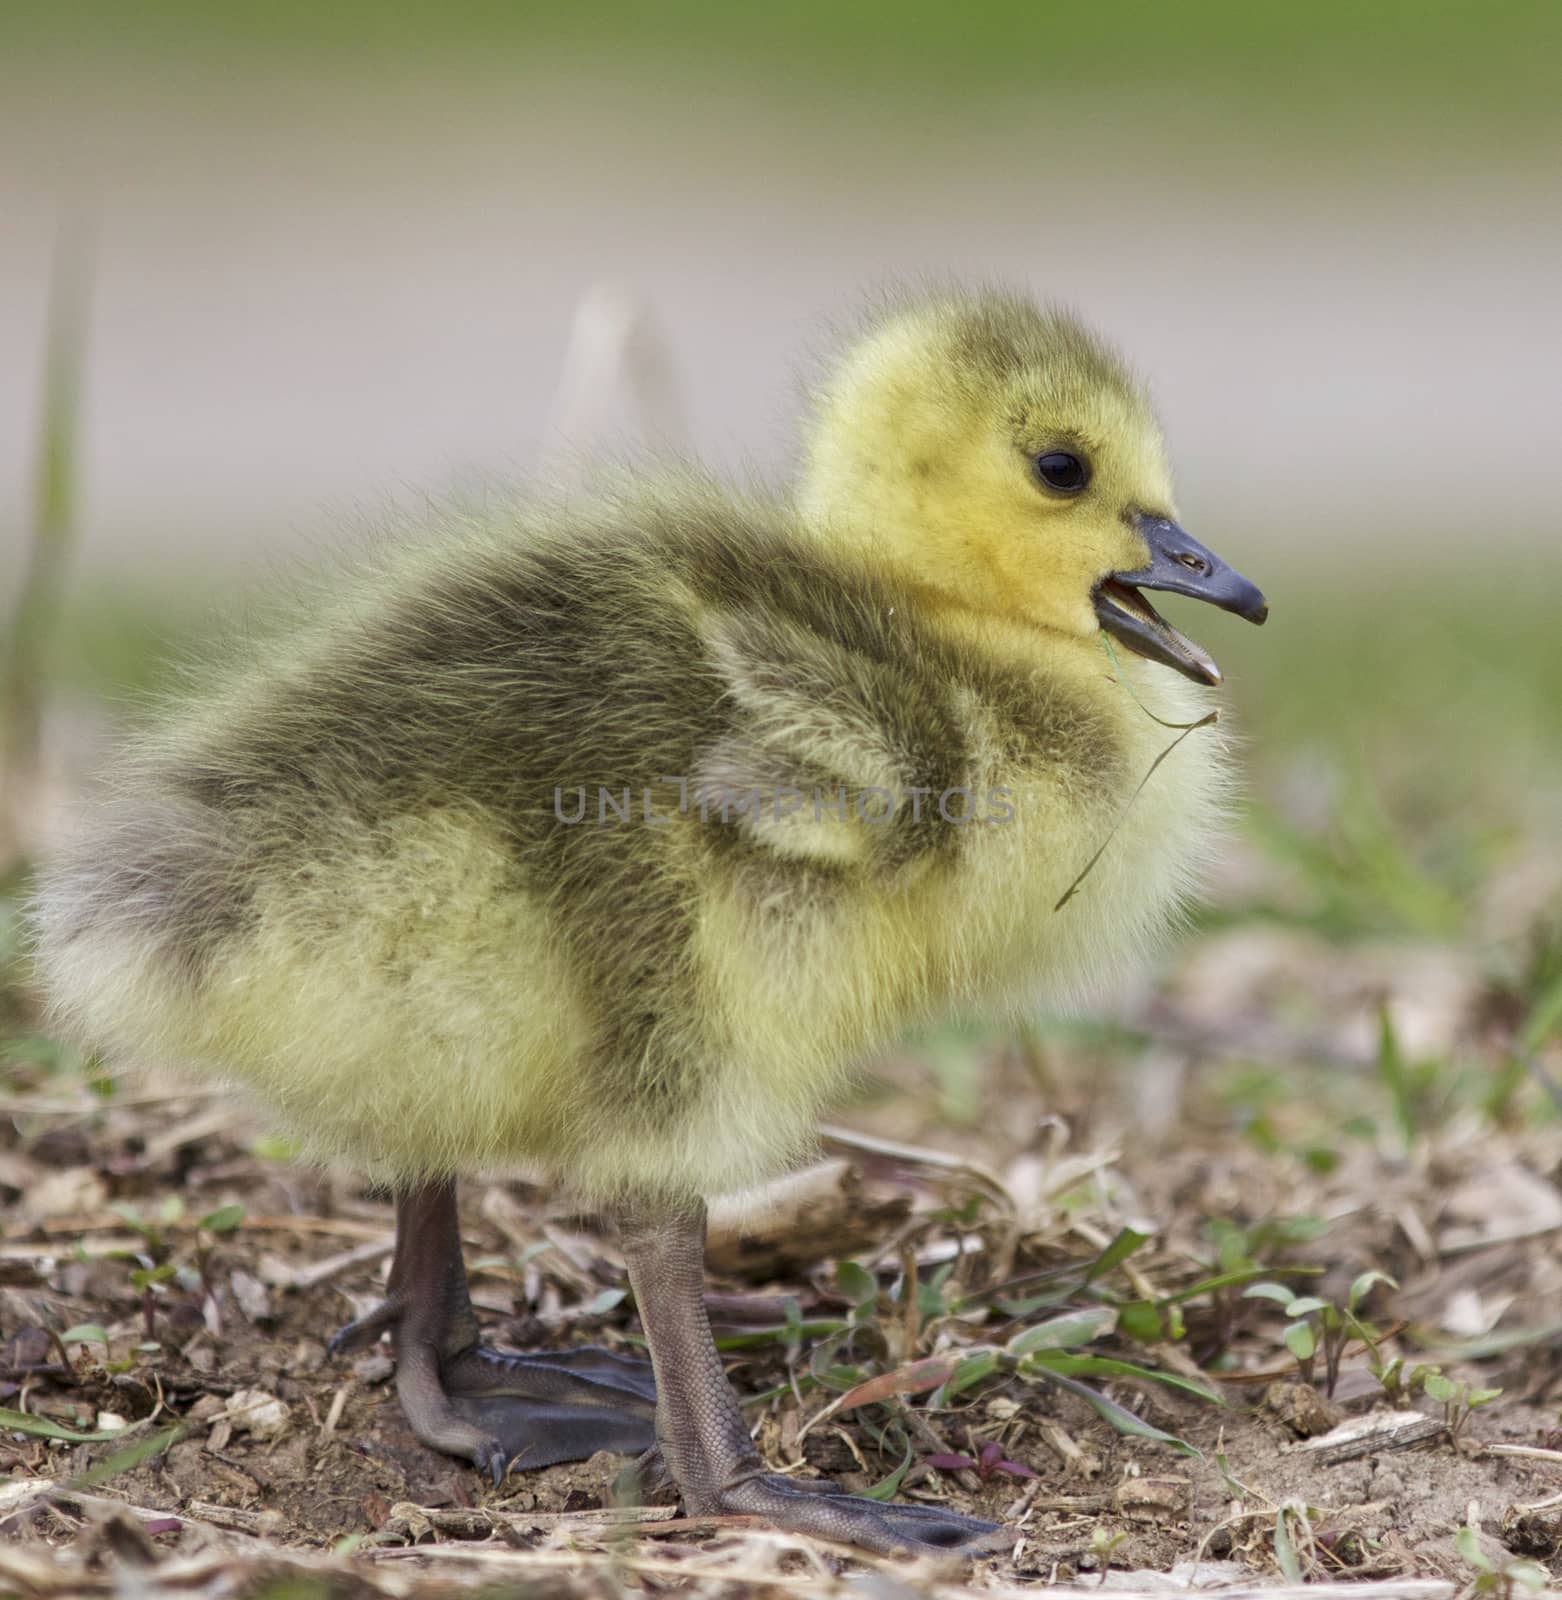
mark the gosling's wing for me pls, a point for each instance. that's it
(836, 751)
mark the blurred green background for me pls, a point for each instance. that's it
(339, 254)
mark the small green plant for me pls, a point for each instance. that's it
(146, 1280)
(273, 1147)
(867, 1357)
(154, 1264)
(151, 1229)
(1241, 1254)
(223, 1220)
(1400, 1383)
(1320, 1325)
(213, 1226)
(1460, 1401)
(1296, 1547)
(1396, 1380)
(1104, 1544)
(87, 1333)
(1499, 1579)
(1419, 1093)
(152, 1269)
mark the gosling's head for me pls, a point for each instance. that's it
(1002, 460)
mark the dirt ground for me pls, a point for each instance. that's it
(169, 1280)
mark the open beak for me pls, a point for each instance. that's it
(1179, 564)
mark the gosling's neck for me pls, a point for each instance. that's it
(983, 624)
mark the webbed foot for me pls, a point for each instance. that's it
(496, 1408)
(703, 1438)
(826, 1511)
(503, 1410)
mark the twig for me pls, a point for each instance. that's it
(214, 1119)
(234, 1519)
(983, 1177)
(346, 1227)
(1530, 1452)
(318, 1272)
(1400, 1430)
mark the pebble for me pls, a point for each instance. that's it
(257, 1412)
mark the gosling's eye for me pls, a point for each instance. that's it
(1062, 471)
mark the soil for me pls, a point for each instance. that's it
(260, 1456)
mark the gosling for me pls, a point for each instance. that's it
(608, 836)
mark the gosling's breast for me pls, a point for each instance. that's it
(841, 961)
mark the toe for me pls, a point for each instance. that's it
(828, 1513)
(550, 1406)
(934, 1525)
(929, 1528)
(539, 1433)
(366, 1329)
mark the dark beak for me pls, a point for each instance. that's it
(1178, 564)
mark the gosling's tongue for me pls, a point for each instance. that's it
(1178, 564)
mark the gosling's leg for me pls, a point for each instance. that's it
(704, 1441)
(494, 1407)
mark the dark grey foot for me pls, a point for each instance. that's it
(703, 1437)
(494, 1407)
(553, 1405)
(826, 1511)
(501, 1410)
